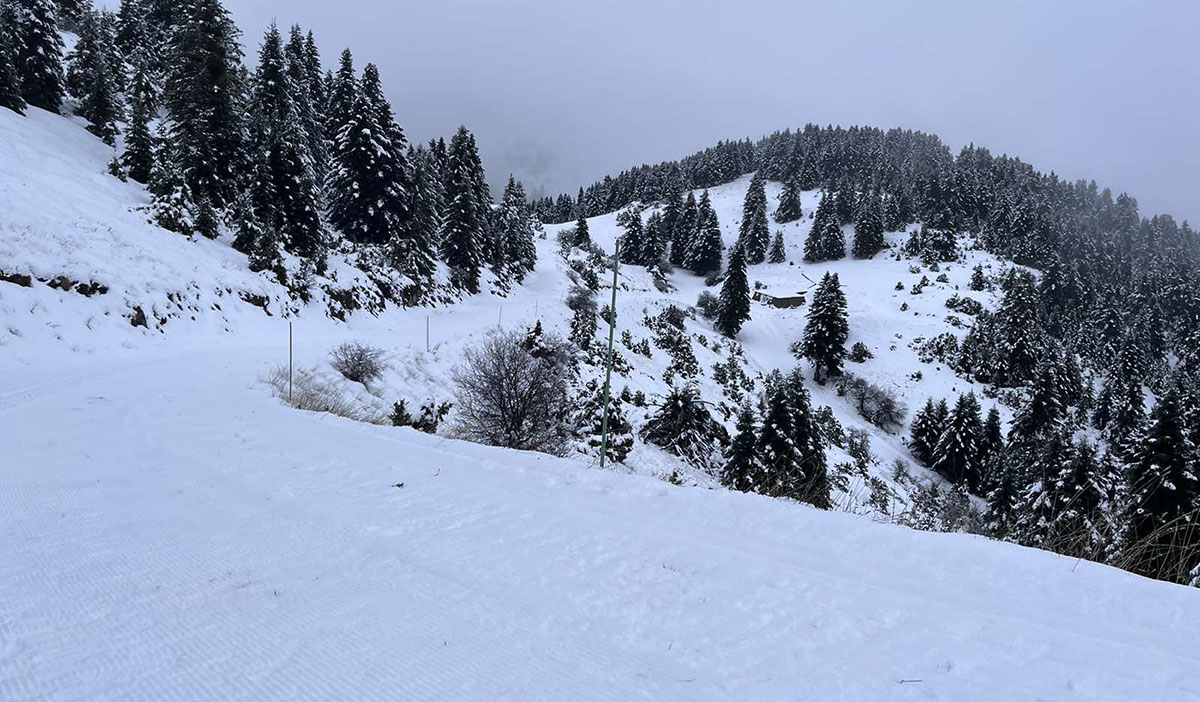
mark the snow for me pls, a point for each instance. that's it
(170, 530)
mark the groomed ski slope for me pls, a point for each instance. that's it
(170, 531)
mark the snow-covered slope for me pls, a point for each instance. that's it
(170, 530)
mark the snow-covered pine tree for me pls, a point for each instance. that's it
(10, 79)
(926, 429)
(825, 333)
(1018, 337)
(742, 467)
(789, 202)
(956, 456)
(39, 50)
(304, 96)
(733, 305)
(283, 185)
(462, 240)
(591, 421)
(1002, 500)
(633, 237)
(683, 426)
(1037, 506)
(654, 240)
(138, 158)
(778, 251)
(1162, 536)
(754, 234)
(825, 241)
(172, 203)
(516, 233)
(684, 232)
(203, 98)
(868, 227)
(342, 99)
(94, 75)
(581, 237)
(704, 254)
(806, 436)
(991, 448)
(780, 458)
(893, 219)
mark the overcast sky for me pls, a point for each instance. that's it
(561, 93)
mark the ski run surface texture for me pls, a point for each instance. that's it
(170, 531)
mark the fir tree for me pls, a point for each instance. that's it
(825, 241)
(654, 240)
(1036, 508)
(582, 237)
(789, 202)
(10, 78)
(1164, 490)
(684, 231)
(704, 255)
(683, 426)
(956, 456)
(462, 242)
(39, 51)
(343, 98)
(172, 204)
(806, 436)
(620, 431)
(754, 235)
(779, 457)
(868, 227)
(300, 52)
(926, 429)
(202, 96)
(778, 251)
(1002, 501)
(94, 74)
(138, 158)
(733, 307)
(516, 231)
(990, 449)
(741, 458)
(825, 334)
(633, 238)
(283, 185)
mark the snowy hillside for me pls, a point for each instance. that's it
(171, 529)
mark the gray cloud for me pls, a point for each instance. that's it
(561, 93)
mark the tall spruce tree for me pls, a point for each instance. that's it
(1162, 534)
(654, 240)
(342, 100)
(778, 250)
(39, 51)
(789, 202)
(704, 254)
(742, 467)
(816, 487)
(10, 78)
(826, 241)
(203, 98)
(516, 232)
(926, 429)
(754, 234)
(684, 232)
(283, 185)
(138, 158)
(462, 242)
(733, 305)
(299, 51)
(868, 227)
(957, 454)
(94, 75)
(632, 238)
(825, 333)
(780, 459)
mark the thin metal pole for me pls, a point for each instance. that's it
(289, 361)
(612, 325)
(426, 333)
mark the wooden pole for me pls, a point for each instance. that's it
(612, 326)
(289, 362)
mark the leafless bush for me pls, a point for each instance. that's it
(515, 393)
(874, 404)
(308, 391)
(358, 362)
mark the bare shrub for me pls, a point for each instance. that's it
(308, 391)
(358, 362)
(874, 404)
(514, 392)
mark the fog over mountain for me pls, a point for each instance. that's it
(563, 93)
